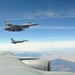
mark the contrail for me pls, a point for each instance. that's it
(53, 27)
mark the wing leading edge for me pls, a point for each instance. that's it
(10, 65)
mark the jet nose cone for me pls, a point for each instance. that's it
(35, 24)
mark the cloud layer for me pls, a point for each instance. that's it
(49, 50)
(36, 46)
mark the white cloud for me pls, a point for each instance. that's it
(49, 14)
(39, 15)
(44, 15)
(36, 46)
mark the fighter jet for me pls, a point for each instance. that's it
(17, 28)
(14, 42)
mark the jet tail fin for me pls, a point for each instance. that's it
(7, 23)
(12, 39)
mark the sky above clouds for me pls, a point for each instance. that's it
(56, 29)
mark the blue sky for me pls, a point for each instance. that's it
(56, 19)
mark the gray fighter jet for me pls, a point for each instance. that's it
(14, 65)
(16, 28)
(13, 41)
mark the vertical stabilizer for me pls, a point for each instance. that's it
(12, 39)
(7, 23)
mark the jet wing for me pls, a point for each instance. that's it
(11, 65)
